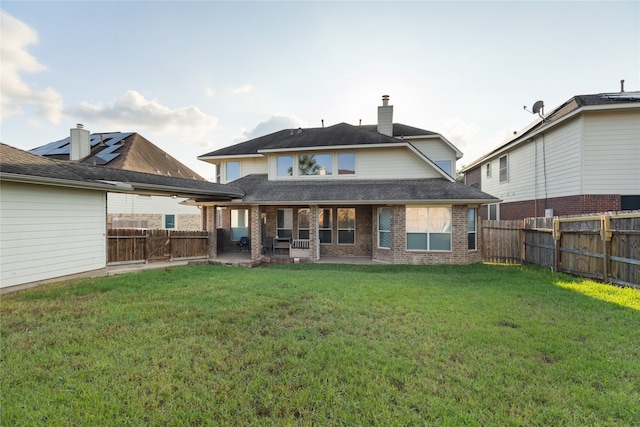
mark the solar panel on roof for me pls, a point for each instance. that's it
(108, 150)
(50, 147)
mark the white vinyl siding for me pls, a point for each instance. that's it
(393, 163)
(49, 232)
(436, 150)
(118, 203)
(611, 159)
(552, 159)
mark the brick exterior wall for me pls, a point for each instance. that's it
(474, 176)
(365, 235)
(569, 205)
(398, 254)
(185, 222)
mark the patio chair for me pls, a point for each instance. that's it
(243, 244)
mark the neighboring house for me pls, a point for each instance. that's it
(583, 157)
(130, 151)
(52, 214)
(384, 192)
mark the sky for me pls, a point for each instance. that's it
(193, 77)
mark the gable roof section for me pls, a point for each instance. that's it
(575, 105)
(118, 150)
(20, 166)
(341, 134)
(258, 189)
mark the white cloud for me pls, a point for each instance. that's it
(272, 124)
(242, 89)
(456, 129)
(209, 92)
(134, 112)
(15, 93)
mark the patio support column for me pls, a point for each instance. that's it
(254, 226)
(313, 233)
(210, 220)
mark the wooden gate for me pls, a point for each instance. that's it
(135, 245)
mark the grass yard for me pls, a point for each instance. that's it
(322, 345)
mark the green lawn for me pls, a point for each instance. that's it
(322, 345)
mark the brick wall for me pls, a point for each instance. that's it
(398, 254)
(185, 222)
(569, 205)
(474, 176)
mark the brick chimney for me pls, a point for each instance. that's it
(385, 117)
(80, 146)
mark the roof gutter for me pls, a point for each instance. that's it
(163, 190)
(447, 202)
(41, 180)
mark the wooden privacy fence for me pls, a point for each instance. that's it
(135, 245)
(604, 247)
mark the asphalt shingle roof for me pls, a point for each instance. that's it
(130, 151)
(258, 189)
(342, 134)
(18, 162)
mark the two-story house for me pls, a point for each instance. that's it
(129, 151)
(582, 157)
(384, 192)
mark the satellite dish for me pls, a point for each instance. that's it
(537, 107)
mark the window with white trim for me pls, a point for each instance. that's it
(445, 165)
(325, 226)
(232, 171)
(346, 164)
(384, 228)
(494, 211)
(284, 223)
(504, 169)
(239, 223)
(428, 228)
(488, 170)
(169, 221)
(472, 229)
(346, 226)
(303, 223)
(315, 164)
(284, 165)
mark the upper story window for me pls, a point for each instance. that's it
(315, 164)
(232, 171)
(445, 165)
(504, 169)
(346, 164)
(285, 165)
(488, 170)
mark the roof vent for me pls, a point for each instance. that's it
(621, 86)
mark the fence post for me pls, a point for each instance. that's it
(605, 235)
(558, 247)
(521, 240)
